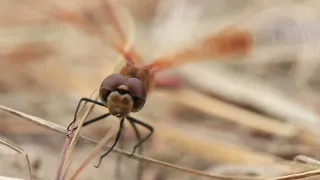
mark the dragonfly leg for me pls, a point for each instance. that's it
(140, 150)
(93, 120)
(119, 156)
(114, 144)
(150, 128)
(77, 109)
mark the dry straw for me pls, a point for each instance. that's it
(57, 128)
(17, 149)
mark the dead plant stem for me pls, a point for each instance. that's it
(57, 128)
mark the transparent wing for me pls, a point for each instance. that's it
(93, 20)
(178, 31)
(259, 26)
(42, 37)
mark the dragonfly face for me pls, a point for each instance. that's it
(122, 95)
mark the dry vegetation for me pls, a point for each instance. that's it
(246, 117)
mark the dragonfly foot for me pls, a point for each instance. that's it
(69, 132)
(134, 150)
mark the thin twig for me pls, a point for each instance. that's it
(20, 151)
(306, 160)
(298, 175)
(67, 149)
(57, 128)
(76, 134)
(218, 108)
(9, 178)
(63, 154)
(67, 168)
(102, 142)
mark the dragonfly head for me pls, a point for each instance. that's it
(122, 95)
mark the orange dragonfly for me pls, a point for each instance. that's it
(126, 91)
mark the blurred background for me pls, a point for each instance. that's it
(241, 116)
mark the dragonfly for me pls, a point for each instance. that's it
(126, 92)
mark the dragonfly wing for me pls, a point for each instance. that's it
(172, 26)
(92, 20)
(232, 40)
(126, 40)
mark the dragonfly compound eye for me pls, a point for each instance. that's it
(138, 93)
(122, 96)
(110, 84)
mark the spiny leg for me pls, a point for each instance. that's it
(114, 144)
(138, 135)
(150, 128)
(77, 109)
(93, 120)
(119, 157)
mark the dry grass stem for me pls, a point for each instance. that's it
(102, 142)
(57, 128)
(20, 151)
(219, 150)
(62, 162)
(298, 175)
(222, 84)
(66, 148)
(307, 160)
(229, 112)
(67, 169)
(9, 178)
(76, 134)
